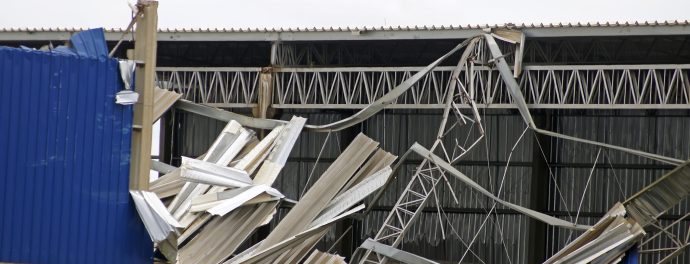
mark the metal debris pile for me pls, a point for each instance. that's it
(218, 200)
(215, 202)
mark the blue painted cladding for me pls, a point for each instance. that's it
(64, 162)
(90, 43)
(632, 256)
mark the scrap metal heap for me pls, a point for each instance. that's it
(221, 198)
(218, 200)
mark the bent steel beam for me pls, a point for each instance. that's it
(519, 100)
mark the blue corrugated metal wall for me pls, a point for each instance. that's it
(64, 162)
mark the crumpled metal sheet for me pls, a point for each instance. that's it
(318, 257)
(660, 196)
(221, 236)
(606, 242)
(90, 43)
(323, 191)
(158, 221)
(277, 250)
(197, 171)
(162, 101)
(357, 118)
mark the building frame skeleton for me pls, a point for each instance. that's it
(557, 74)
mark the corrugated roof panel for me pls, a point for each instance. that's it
(64, 161)
(90, 43)
(381, 28)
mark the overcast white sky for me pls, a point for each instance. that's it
(317, 13)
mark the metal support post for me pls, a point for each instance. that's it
(145, 53)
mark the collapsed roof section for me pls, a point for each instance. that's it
(210, 197)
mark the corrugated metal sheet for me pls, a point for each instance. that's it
(64, 161)
(382, 28)
(90, 43)
(570, 162)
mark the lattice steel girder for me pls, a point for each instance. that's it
(561, 86)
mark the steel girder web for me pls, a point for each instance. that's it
(602, 243)
(519, 100)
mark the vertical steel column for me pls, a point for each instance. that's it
(145, 54)
(539, 190)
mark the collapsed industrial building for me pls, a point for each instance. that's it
(478, 144)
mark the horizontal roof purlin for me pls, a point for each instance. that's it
(676, 27)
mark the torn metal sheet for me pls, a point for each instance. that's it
(357, 118)
(253, 159)
(300, 250)
(193, 170)
(162, 101)
(276, 250)
(394, 253)
(462, 177)
(167, 185)
(249, 163)
(161, 167)
(614, 238)
(221, 236)
(227, 116)
(241, 198)
(616, 211)
(378, 105)
(235, 210)
(353, 195)
(660, 196)
(126, 97)
(207, 201)
(279, 154)
(126, 68)
(377, 162)
(323, 190)
(157, 220)
(318, 257)
(226, 146)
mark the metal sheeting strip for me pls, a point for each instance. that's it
(519, 100)
(623, 149)
(394, 253)
(210, 246)
(163, 100)
(323, 191)
(158, 221)
(529, 212)
(364, 114)
(267, 255)
(161, 167)
(660, 196)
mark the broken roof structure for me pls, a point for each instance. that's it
(470, 144)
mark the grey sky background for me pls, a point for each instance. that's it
(315, 13)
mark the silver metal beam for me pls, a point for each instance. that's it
(438, 32)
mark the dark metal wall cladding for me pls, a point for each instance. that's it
(64, 162)
(658, 132)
